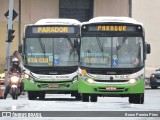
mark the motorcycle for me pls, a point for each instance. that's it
(15, 80)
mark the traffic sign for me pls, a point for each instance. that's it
(15, 14)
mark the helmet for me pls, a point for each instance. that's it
(15, 60)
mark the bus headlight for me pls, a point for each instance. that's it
(132, 80)
(26, 76)
(89, 80)
(30, 78)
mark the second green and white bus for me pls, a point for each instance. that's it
(112, 59)
(51, 58)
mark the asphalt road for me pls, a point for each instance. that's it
(56, 102)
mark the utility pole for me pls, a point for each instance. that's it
(130, 8)
(9, 39)
(19, 29)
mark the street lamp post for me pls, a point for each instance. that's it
(9, 39)
(19, 29)
(130, 8)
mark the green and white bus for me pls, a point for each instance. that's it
(51, 57)
(112, 59)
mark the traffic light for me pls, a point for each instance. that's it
(10, 35)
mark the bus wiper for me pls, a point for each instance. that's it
(42, 47)
(120, 45)
(72, 45)
(100, 45)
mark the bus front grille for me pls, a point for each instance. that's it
(57, 85)
(118, 89)
(103, 81)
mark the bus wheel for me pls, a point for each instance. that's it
(154, 87)
(136, 99)
(85, 97)
(31, 95)
(78, 96)
(93, 98)
(42, 95)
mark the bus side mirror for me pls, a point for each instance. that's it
(148, 48)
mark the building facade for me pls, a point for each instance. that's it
(145, 11)
(34, 10)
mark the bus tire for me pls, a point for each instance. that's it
(42, 95)
(136, 98)
(154, 87)
(31, 95)
(93, 98)
(85, 97)
(78, 96)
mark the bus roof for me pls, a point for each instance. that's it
(60, 21)
(112, 19)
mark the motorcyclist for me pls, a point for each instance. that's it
(14, 69)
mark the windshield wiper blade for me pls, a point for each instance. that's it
(70, 41)
(72, 45)
(120, 45)
(42, 47)
(99, 44)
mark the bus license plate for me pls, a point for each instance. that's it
(53, 85)
(111, 88)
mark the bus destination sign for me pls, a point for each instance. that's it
(111, 28)
(53, 29)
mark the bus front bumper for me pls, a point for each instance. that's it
(50, 87)
(111, 89)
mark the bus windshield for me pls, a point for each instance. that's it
(50, 52)
(111, 52)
